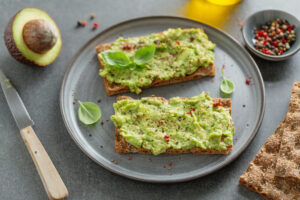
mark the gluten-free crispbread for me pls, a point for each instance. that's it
(269, 173)
(121, 146)
(288, 162)
(260, 174)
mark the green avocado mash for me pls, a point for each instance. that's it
(178, 123)
(179, 52)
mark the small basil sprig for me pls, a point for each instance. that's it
(119, 59)
(116, 58)
(88, 112)
(226, 86)
(144, 55)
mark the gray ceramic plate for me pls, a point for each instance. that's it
(81, 81)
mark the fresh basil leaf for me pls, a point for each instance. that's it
(88, 112)
(226, 86)
(132, 66)
(116, 58)
(138, 68)
(144, 55)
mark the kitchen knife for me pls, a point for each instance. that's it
(51, 179)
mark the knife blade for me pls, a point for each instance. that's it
(15, 103)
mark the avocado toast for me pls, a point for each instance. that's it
(180, 55)
(154, 125)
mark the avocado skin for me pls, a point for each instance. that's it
(12, 48)
(11, 45)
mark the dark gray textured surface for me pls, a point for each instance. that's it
(39, 89)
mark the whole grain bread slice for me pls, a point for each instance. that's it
(122, 147)
(114, 88)
(260, 175)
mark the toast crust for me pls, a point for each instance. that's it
(114, 88)
(123, 147)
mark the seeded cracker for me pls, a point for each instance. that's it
(260, 174)
(288, 163)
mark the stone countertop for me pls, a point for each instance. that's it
(39, 89)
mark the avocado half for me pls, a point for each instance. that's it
(16, 45)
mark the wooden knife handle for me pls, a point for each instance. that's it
(52, 181)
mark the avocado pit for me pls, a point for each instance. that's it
(39, 35)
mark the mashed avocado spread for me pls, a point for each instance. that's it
(179, 52)
(178, 123)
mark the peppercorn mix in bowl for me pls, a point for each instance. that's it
(272, 34)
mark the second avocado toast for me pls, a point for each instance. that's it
(154, 125)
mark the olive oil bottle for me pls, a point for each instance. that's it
(209, 13)
(224, 2)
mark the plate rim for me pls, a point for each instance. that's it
(150, 180)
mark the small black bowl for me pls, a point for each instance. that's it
(260, 18)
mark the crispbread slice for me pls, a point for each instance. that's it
(114, 88)
(260, 174)
(122, 147)
(288, 162)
